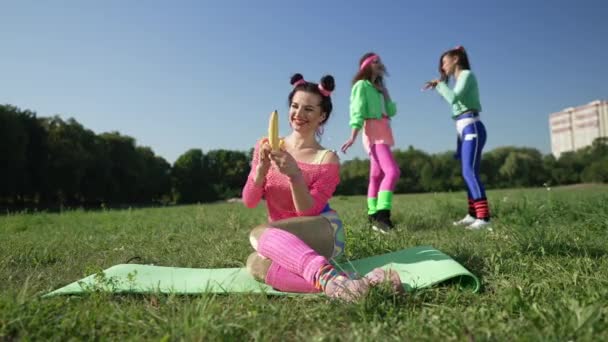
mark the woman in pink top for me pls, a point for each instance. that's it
(293, 250)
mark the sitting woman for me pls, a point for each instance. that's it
(293, 250)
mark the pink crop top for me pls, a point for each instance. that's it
(321, 179)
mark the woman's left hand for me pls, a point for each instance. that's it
(383, 90)
(285, 163)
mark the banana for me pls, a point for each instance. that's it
(273, 132)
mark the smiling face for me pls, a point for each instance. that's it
(305, 114)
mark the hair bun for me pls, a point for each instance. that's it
(296, 78)
(328, 83)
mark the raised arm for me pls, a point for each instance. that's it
(463, 84)
(254, 187)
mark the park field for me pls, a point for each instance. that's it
(543, 269)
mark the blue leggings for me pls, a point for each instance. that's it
(469, 146)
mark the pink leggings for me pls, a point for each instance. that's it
(384, 171)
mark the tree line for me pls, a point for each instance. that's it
(50, 161)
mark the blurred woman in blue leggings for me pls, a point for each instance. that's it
(464, 99)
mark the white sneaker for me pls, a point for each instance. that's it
(478, 224)
(467, 220)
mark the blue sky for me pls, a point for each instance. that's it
(177, 74)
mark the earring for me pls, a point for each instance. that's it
(320, 130)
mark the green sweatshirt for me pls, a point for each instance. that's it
(464, 97)
(366, 103)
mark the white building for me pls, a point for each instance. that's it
(577, 127)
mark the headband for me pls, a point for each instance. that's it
(368, 61)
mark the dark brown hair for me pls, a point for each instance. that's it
(366, 73)
(327, 82)
(463, 61)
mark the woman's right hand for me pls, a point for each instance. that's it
(348, 144)
(351, 140)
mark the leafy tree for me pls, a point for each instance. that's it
(190, 178)
(13, 152)
(227, 172)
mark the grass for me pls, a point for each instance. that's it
(543, 268)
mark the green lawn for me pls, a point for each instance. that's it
(543, 268)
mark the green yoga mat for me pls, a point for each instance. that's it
(418, 267)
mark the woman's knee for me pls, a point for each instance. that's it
(472, 181)
(392, 172)
(390, 168)
(258, 266)
(255, 234)
(469, 177)
(468, 172)
(376, 174)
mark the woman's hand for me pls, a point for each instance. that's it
(285, 163)
(347, 144)
(430, 84)
(380, 87)
(351, 140)
(300, 193)
(264, 160)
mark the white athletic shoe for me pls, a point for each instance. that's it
(478, 224)
(467, 220)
